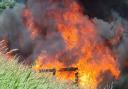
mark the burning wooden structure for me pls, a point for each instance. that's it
(68, 69)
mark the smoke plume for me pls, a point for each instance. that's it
(38, 30)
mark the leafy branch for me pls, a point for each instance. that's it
(7, 4)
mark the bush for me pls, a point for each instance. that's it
(7, 4)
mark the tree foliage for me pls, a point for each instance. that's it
(7, 4)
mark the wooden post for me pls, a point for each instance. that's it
(75, 69)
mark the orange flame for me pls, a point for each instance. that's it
(79, 33)
(32, 28)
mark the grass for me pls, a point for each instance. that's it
(17, 76)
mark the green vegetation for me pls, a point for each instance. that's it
(7, 4)
(17, 76)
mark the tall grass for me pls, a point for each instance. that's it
(17, 76)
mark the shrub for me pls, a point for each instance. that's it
(7, 4)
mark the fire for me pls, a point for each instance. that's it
(84, 48)
(70, 37)
(31, 27)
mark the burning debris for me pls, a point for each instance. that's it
(69, 69)
(48, 70)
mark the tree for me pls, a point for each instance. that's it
(7, 4)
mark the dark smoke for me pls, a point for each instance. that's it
(112, 14)
(13, 30)
(49, 39)
(109, 17)
(102, 9)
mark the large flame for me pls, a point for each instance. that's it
(84, 48)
